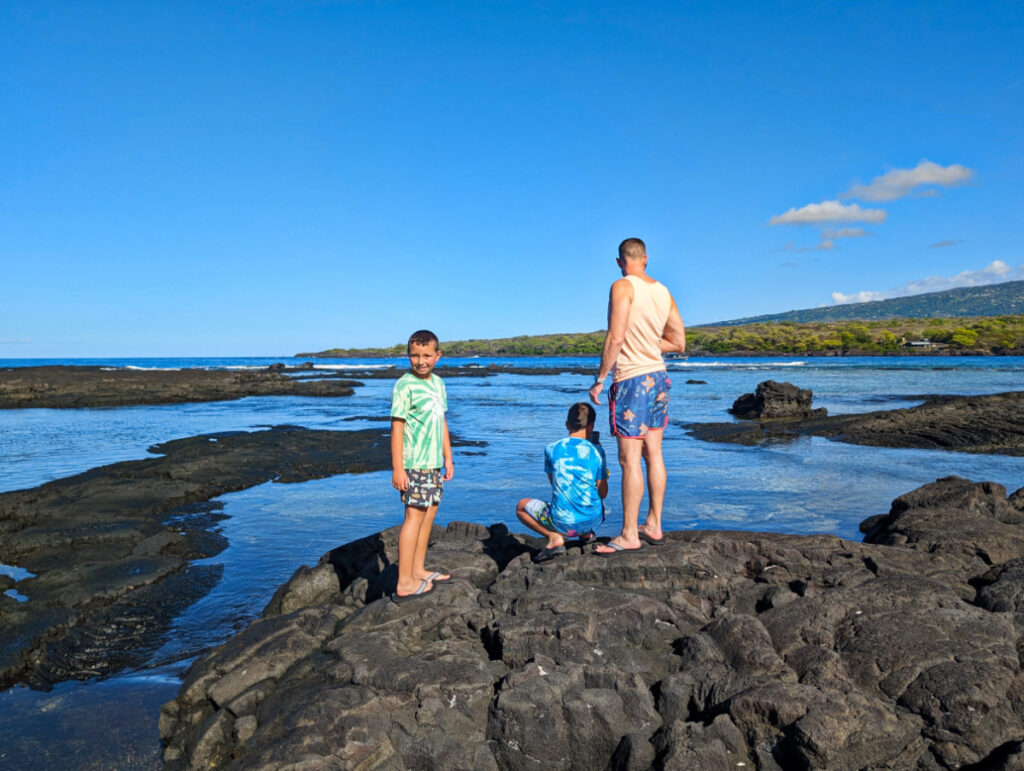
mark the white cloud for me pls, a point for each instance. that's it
(941, 244)
(995, 272)
(828, 212)
(845, 233)
(900, 183)
(838, 298)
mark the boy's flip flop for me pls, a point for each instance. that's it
(616, 549)
(435, 578)
(398, 599)
(546, 554)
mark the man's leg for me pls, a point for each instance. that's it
(656, 481)
(408, 544)
(630, 450)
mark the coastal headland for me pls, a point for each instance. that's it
(75, 386)
(958, 336)
(713, 650)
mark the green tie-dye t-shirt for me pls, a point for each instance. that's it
(421, 404)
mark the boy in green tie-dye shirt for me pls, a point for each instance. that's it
(421, 461)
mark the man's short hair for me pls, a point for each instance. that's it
(581, 415)
(423, 337)
(632, 249)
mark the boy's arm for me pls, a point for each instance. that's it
(449, 467)
(602, 487)
(674, 336)
(399, 479)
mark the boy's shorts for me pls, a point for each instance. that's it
(541, 511)
(426, 488)
(639, 404)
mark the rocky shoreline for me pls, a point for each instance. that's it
(111, 549)
(714, 650)
(75, 386)
(990, 423)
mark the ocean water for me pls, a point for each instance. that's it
(805, 486)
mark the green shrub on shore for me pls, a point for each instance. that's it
(984, 335)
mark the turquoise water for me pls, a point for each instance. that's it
(806, 486)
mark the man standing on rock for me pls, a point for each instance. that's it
(643, 323)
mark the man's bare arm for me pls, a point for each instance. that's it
(619, 300)
(674, 337)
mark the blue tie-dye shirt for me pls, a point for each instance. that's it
(575, 466)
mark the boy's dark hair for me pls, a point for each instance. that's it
(422, 337)
(581, 415)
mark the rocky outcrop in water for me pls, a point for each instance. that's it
(715, 650)
(776, 400)
(991, 423)
(111, 549)
(68, 386)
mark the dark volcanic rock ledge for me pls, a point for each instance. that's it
(992, 423)
(111, 548)
(65, 386)
(716, 650)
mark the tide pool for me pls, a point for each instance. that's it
(805, 486)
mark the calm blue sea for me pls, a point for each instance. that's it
(806, 486)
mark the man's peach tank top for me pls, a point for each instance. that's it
(648, 313)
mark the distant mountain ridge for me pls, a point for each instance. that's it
(1005, 299)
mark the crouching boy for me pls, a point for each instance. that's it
(578, 472)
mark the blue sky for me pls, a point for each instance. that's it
(262, 178)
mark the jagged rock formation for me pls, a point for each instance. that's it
(991, 423)
(715, 650)
(111, 549)
(772, 400)
(70, 386)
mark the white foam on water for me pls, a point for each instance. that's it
(735, 365)
(149, 369)
(353, 366)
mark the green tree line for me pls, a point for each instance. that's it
(985, 334)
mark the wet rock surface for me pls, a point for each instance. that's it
(714, 650)
(776, 400)
(991, 423)
(111, 549)
(71, 386)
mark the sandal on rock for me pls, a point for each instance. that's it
(398, 599)
(616, 549)
(549, 553)
(652, 541)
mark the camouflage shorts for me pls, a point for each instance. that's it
(425, 488)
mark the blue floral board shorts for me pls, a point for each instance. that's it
(639, 404)
(541, 511)
(425, 488)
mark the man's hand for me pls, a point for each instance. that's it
(449, 470)
(400, 480)
(595, 392)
